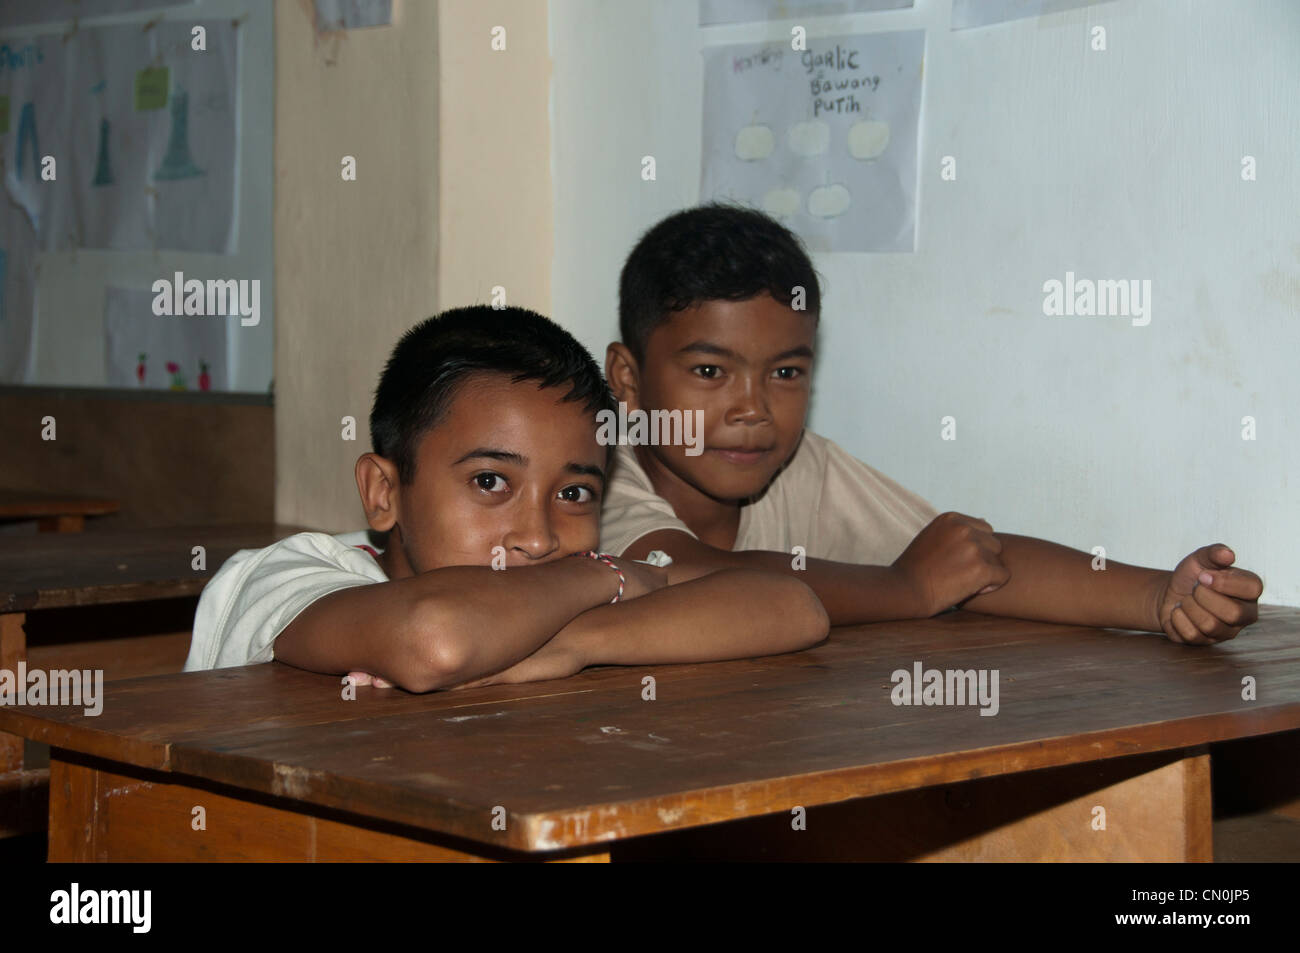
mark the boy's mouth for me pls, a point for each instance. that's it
(741, 456)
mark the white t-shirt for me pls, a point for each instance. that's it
(825, 500)
(258, 592)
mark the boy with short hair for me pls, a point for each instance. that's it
(486, 475)
(718, 309)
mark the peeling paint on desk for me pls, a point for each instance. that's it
(291, 780)
(667, 816)
(495, 714)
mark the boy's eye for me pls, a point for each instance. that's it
(707, 371)
(490, 482)
(789, 373)
(577, 494)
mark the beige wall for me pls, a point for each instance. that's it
(452, 197)
(494, 172)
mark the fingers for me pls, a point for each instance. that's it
(1237, 583)
(1235, 613)
(1216, 556)
(1212, 617)
(1185, 630)
(365, 678)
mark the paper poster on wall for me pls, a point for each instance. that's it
(153, 140)
(17, 297)
(352, 14)
(825, 140)
(972, 13)
(146, 351)
(140, 133)
(33, 101)
(744, 11)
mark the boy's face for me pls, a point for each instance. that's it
(747, 365)
(510, 465)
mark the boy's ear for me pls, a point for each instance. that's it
(377, 483)
(622, 373)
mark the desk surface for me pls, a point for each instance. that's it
(48, 570)
(30, 504)
(584, 760)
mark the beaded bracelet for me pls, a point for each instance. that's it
(601, 557)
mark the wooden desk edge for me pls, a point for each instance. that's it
(567, 829)
(105, 594)
(76, 736)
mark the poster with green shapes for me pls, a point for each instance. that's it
(151, 87)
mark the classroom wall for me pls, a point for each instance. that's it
(452, 199)
(1119, 164)
(355, 261)
(71, 283)
(494, 175)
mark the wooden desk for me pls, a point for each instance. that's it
(54, 512)
(52, 571)
(585, 768)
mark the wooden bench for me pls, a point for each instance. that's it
(54, 512)
(1098, 751)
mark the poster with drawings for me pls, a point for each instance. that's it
(34, 123)
(153, 142)
(146, 351)
(824, 139)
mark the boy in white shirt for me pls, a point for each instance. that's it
(486, 474)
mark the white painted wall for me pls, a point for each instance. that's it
(1116, 164)
(71, 284)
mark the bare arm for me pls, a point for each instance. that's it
(443, 627)
(736, 613)
(1053, 583)
(949, 560)
(850, 593)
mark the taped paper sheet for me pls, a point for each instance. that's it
(824, 139)
(146, 351)
(142, 130)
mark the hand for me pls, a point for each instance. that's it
(1205, 601)
(364, 678)
(952, 559)
(558, 658)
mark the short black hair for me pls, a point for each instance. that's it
(435, 357)
(713, 252)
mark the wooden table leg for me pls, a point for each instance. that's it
(109, 812)
(1160, 815)
(23, 792)
(1143, 808)
(13, 649)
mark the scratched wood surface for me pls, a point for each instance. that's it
(586, 760)
(51, 570)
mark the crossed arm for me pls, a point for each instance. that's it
(464, 624)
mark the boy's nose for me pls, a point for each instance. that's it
(533, 535)
(749, 404)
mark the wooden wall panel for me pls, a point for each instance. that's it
(172, 461)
